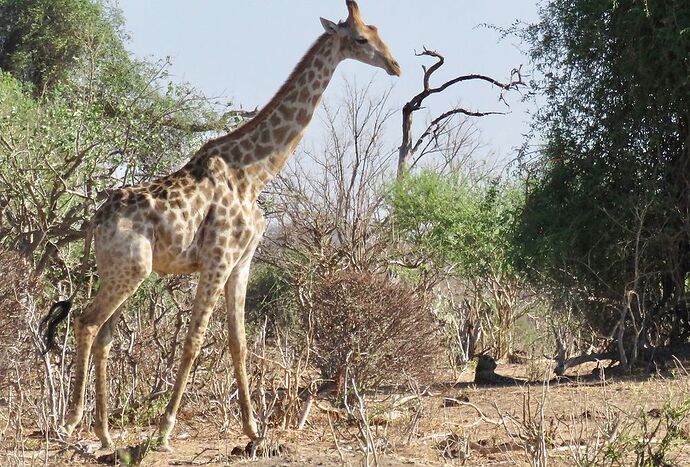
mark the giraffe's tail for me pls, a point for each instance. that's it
(58, 312)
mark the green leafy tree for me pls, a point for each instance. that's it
(100, 121)
(606, 219)
(465, 225)
(42, 41)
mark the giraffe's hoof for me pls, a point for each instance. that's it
(131, 455)
(64, 432)
(163, 446)
(259, 447)
(108, 444)
(105, 439)
(256, 447)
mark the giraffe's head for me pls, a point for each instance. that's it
(361, 41)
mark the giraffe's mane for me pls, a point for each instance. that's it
(275, 100)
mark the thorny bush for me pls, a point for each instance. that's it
(367, 328)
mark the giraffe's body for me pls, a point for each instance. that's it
(204, 218)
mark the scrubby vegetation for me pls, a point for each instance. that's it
(377, 283)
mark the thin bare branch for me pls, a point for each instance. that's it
(408, 148)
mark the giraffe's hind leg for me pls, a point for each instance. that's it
(121, 271)
(101, 350)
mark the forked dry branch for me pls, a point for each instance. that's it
(409, 148)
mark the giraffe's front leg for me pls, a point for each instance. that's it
(235, 293)
(209, 289)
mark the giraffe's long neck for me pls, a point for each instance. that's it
(261, 147)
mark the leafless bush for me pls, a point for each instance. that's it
(32, 392)
(366, 440)
(461, 327)
(327, 208)
(146, 352)
(15, 281)
(283, 380)
(376, 330)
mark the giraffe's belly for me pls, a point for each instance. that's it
(166, 263)
(176, 251)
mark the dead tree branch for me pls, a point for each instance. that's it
(409, 147)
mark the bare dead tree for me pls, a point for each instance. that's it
(411, 148)
(328, 204)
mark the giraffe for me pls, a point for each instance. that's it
(204, 218)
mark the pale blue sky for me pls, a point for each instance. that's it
(243, 50)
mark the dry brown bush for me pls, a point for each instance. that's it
(15, 278)
(24, 388)
(18, 287)
(376, 331)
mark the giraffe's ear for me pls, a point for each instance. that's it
(329, 26)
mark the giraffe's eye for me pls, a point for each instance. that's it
(362, 40)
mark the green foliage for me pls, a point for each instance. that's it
(78, 116)
(653, 436)
(42, 41)
(464, 225)
(458, 220)
(606, 209)
(672, 423)
(270, 299)
(144, 414)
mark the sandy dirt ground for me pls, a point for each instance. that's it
(456, 423)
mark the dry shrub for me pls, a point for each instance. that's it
(145, 356)
(17, 285)
(25, 400)
(376, 331)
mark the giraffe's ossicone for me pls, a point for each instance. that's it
(204, 218)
